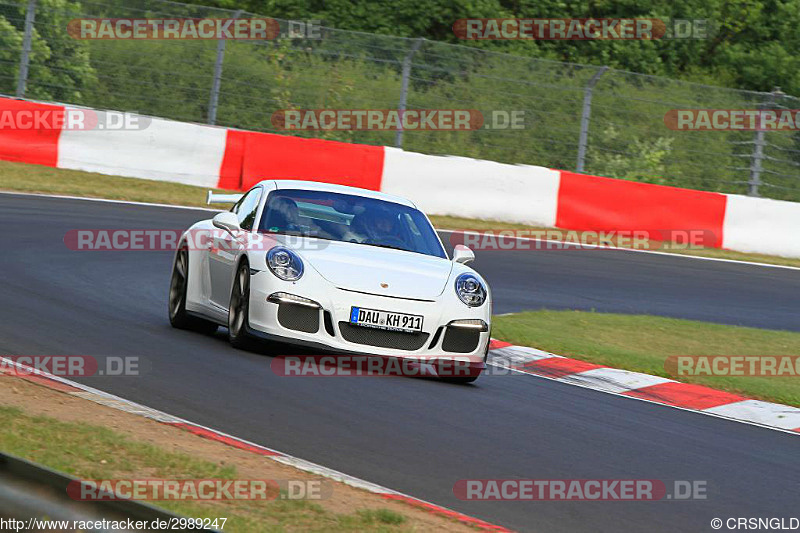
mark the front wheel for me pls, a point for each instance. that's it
(178, 284)
(239, 310)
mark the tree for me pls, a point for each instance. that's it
(59, 68)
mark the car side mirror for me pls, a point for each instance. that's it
(462, 254)
(227, 221)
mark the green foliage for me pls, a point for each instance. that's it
(10, 44)
(645, 164)
(60, 67)
(753, 43)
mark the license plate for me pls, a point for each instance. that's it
(373, 318)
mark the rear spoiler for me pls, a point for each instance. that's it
(216, 198)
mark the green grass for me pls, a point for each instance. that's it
(94, 452)
(34, 178)
(642, 343)
(381, 516)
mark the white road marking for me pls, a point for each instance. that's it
(766, 413)
(614, 379)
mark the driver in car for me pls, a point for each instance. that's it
(384, 223)
(377, 226)
(282, 215)
(385, 229)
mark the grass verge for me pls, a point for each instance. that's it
(38, 179)
(642, 343)
(96, 452)
(22, 177)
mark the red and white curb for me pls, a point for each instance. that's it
(115, 402)
(645, 387)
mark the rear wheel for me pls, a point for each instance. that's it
(178, 284)
(239, 310)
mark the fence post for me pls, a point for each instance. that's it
(758, 148)
(25, 57)
(398, 139)
(215, 85)
(583, 140)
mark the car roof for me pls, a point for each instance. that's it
(341, 189)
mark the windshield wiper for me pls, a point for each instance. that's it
(388, 246)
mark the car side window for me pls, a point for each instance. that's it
(246, 209)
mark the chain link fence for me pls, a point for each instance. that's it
(592, 119)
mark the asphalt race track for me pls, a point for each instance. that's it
(419, 436)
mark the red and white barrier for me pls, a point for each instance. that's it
(762, 226)
(165, 150)
(209, 156)
(37, 146)
(606, 204)
(265, 155)
(472, 188)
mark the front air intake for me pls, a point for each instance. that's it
(381, 338)
(461, 340)
(298, 317)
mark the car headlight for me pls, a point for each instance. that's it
(285, 264)
(470, 290)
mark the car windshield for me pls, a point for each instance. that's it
(350, 218)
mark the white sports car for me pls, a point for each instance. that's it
(335, 268)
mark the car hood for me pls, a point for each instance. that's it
(364, 268)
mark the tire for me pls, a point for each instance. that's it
(239, 310)
(178, 284)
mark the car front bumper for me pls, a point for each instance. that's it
(327, 327)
